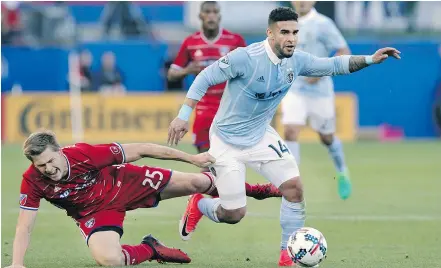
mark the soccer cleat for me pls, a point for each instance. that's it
(191, 217)
(264, 191)
(285, 259)
(344, 185)
(163, 253)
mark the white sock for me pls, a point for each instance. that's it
(294, 148)
(292, 218)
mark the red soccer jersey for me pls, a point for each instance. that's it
(197, 47)
(90, 185)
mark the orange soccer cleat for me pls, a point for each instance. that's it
(191, 217)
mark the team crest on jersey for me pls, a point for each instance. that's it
(23, 199)
(57, 188)
(198, 53)
(224, 62)
(115, 149)
(224, 50)
(90, 223)
(290, 76)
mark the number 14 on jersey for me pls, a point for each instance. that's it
(281, 148)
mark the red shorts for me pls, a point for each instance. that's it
(140, 187)
(201, 128)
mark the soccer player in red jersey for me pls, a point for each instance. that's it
(96, 186)
(198, 51)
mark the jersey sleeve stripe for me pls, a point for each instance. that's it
(122, 152)
(175, 66)
(28, 208)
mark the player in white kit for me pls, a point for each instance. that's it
(258, 78)
(311, 99)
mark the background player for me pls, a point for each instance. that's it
(198, 51)
(312, 98)
(96, 188)
(258, 78)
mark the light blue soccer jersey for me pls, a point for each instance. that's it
(319, 36)
(257, 82)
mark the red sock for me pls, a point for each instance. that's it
(136, 254)
(248, 190)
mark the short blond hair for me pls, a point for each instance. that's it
(38, 141)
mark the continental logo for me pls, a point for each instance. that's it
(38, 114)
(124, 119)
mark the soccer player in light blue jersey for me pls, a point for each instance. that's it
(312, 98)
(258, 77)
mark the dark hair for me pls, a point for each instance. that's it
(282, 14)
(37, 142)
(208, 2)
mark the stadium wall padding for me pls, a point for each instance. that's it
(132, 118)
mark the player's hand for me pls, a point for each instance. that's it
(176, 131)
(383, 53)
(312, 80)
(193, 67)
(202, 160)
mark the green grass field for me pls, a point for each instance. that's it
(392, 220)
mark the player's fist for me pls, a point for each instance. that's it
(383, 53)
(193, 67)
(176, 131)
(202, 160)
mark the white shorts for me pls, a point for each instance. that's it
(319, 111)
(270, 158)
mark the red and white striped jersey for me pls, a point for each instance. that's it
(197, 47)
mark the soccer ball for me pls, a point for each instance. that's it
(307, 247)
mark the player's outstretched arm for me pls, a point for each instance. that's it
(179, 126)
(136, 151)
(226, 68)
(314, 66)
(359, 62)
(25, 224)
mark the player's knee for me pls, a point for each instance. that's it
(326, 139)
(292, 190)
(232, 216)
(291, 133)
(199, 183)
(110, 260)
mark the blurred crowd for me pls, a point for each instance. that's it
(40, 24)
(107, 79)
(36, 24)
